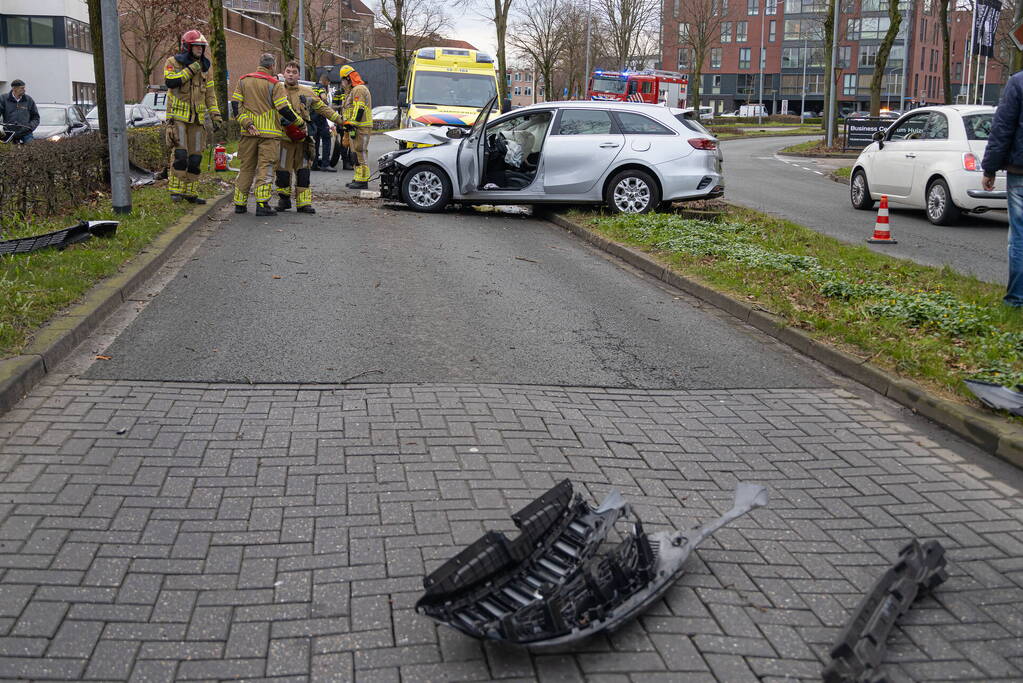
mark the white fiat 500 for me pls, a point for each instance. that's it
(930, 159)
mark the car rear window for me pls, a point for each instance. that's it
(692, 124)
(584, 122)
(978, 126)
(636, 124)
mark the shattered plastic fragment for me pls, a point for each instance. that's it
(554, 584)
(859, 650)
(61, 239)
(996, 397)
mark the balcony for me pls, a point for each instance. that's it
(255, 6)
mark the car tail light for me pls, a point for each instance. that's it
(970, 162)
(703, 143)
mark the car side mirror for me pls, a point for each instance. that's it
(456, 133)
(878, 137)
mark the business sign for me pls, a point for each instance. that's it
(860, 132)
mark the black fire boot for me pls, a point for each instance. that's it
(357, 185)
(264, 209)
(306, 209)
(283, 202)
(195, 200)
(240, 208)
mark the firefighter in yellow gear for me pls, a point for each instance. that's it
(296, 156)
(262, 104)
(357, 111)
(341, 151)
(190, 97)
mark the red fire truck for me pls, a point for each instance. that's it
(650, 85)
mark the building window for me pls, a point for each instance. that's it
(527, 91)
(84, 93)
(683, 32)
(867, 28)
(31, 31)
(772, 31)
(763, 58)
(726, 31)
(844, 55)
(744, 57)
(529, 77)
(868, 55)
(685, 58)
(752, 7)
(518, 76)
(849, 84)
(805, 6)
(741, 31)
(715, 57)
(674, 11)
(517, 90)
(957, 71)
(794, 29)
(771, 7)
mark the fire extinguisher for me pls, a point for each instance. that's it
(220, 158)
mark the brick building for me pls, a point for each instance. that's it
(788, 33)
(523, 88)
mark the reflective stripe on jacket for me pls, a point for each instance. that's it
(358, 108)
(258, 103)
(194, 98)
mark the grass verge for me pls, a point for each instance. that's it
(932, 325)
(843, 172)
(35, 287)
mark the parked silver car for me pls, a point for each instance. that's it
(631, 156)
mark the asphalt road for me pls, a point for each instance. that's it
(388, 295)
(799, 189)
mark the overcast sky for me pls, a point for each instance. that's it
(473, 29)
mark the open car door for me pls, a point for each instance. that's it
(470, 152)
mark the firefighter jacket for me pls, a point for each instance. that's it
(312, 103)
(263, 103)
(190, 92)
(358, 108)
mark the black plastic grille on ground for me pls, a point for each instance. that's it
(61, 239)
(550, 586)
(857, 654)
(996, 397)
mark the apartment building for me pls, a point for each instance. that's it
(523, 89)
(787, 36)
(46, 43)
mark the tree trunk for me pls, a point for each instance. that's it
(946, 57)
(695, 78)
(218, 48)
(501, 25)
(96, 33)
(883, 51)
(287, 50)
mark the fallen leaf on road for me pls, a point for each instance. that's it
(277, 277)
(520, 258)
(103, 357)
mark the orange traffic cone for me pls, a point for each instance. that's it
(882, 234)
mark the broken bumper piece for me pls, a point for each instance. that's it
(859, 650)
(996, 397)
(555, 584)
(60, 239)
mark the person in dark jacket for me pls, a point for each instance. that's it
(321, 159)
(1005, 152)
(20, 114)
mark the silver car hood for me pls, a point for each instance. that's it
(423, 135)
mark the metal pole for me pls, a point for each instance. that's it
(117, 138)
(586, 77)
(905, 56)
(802, 101)
(833, 102)
(301, 40)
(968, 74)
(983, 91)
(976, 82)
(760, 58)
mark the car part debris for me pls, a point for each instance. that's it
(60, 239)
(996, 397)
(140, 176)
(552, 585)
(858, 652)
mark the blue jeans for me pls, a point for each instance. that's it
(1014, 292)
(27, 137)
(323, 145)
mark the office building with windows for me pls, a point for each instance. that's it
(788, 36)
(46, 43)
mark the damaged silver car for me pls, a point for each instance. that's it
(631, 156)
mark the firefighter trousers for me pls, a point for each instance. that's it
(187, 142)
(295, 158)
(360, 147)
(257, 158)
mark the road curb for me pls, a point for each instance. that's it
(995, 436)
(55, 340)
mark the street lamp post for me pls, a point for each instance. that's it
(117, 137)
(586, 76)
(833, 101)
(802, 101)
(301, 40)
(760, 58)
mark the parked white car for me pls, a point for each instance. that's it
(930, 159)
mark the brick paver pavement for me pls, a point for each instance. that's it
(171, 531)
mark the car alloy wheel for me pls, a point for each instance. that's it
(632, 195)
(425, 188)
(936, 202)
(858, 189)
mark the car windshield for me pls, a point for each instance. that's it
(978, 126)
(453, 89)
(615, 85)
(52, 116)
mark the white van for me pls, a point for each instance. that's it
(706, 113)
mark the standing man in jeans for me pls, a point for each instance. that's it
(321, 158)
(1005, 151)
(19, 112)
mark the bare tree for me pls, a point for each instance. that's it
(699, 29)
(151, 30)
(409, 23)
(626, 22)
(498, 12)
(218, 53)
(538, 36)
(883, 50)
(320, 32)
(946, 52)
(570, 71)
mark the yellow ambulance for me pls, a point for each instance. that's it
(447, 87)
